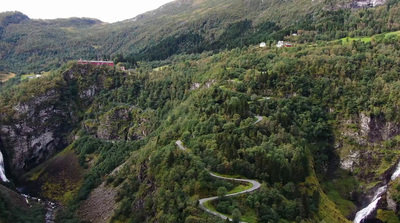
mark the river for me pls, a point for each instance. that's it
(50, 207)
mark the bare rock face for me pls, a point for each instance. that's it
(114, 124)
(350, 161)
(119, 123)
(371, 129)
(364, 131)
(391, 204)
(37, 127)
(380, 129)
(32, 133)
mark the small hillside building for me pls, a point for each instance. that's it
(280, 44)
(263, 44)
(283, 44)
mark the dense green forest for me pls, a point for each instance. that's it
(303, 92)
(30, 45)
(116, 130)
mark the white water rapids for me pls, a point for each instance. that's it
(2, 171)
(396, 173)
(365, 212)
(50, 207)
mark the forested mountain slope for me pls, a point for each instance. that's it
(322, 104)
(101, 142)
(184, 26)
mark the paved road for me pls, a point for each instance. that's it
(259, 119)
(255, 186)
(179, 144)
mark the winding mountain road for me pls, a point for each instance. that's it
(179, 144)
(259, 119)
(255, 186)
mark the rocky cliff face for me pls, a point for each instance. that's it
(362, 148)
(367, 147)
(367, 130)
(33, 130)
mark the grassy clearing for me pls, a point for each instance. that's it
(27, 76)
(34, 76)
(240, 188)
(160, 68)
(344, 206)
(208, 205)
(367, 39)
(351, 39)
(328, 211)
(4, 77)
(236, 81)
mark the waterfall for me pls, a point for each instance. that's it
(2, 171)
(365, 212)
(396, 173)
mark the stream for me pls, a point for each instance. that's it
(366, 211)
(48, 205)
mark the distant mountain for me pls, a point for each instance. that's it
(182, 26)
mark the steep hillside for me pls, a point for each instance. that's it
(15, 209)
(317, 123)
(327, 140)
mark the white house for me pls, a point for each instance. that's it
(263, 44)
(280, 44)
(283, 44)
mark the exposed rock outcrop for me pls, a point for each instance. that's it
(34, 131)
(370, 129)
(365, 131)
(114, 124)
(38, 126)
